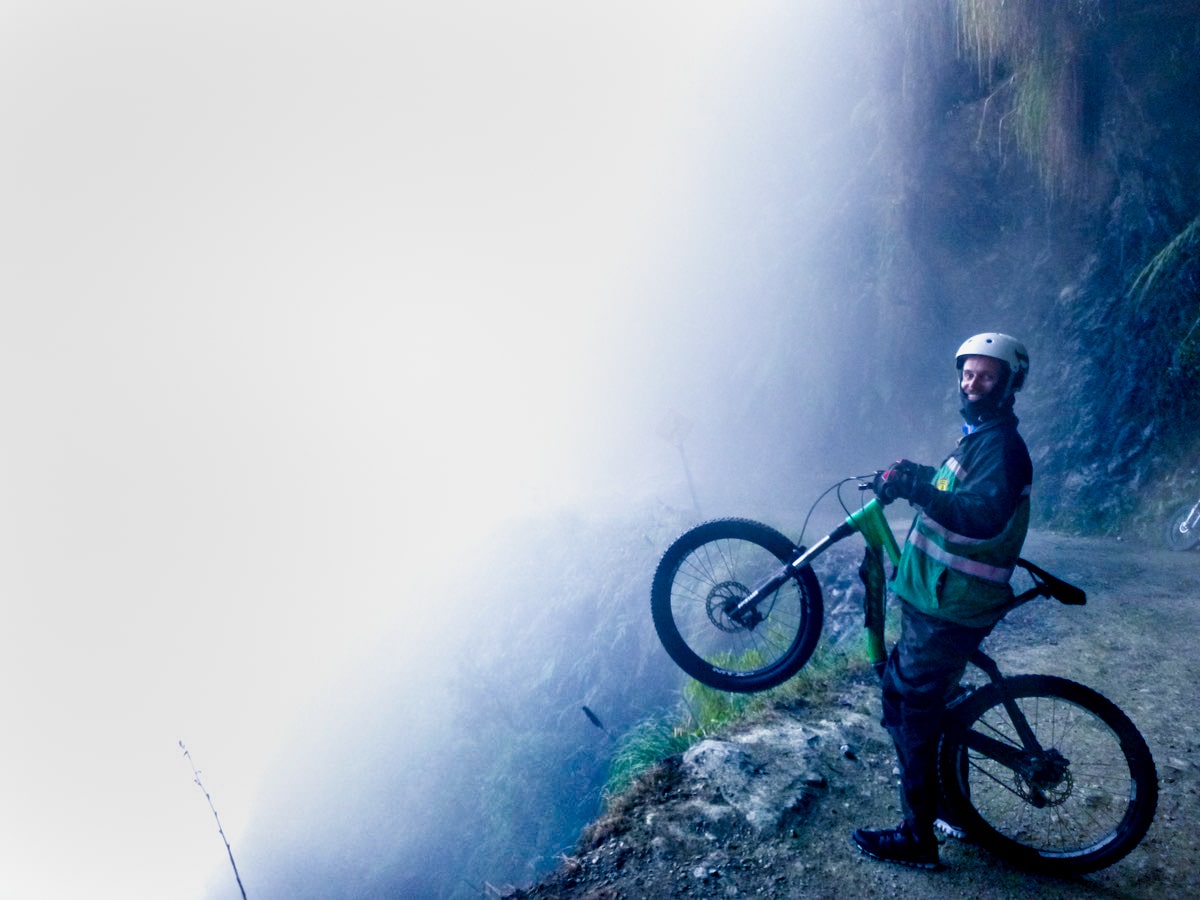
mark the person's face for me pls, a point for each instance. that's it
(980, 375)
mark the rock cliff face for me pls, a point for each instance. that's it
(1021, 166)
(1043, 171)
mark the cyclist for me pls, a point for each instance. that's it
(953, 579)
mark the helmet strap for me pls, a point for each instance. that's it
(976, 412)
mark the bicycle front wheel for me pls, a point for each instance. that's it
(1081, 804)
(700, 580)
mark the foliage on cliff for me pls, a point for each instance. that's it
(1046, 180)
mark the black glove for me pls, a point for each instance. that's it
(898, 481)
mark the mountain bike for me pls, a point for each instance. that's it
(1183, 532)
(1042, 770)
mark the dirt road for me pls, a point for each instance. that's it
(1134, 642)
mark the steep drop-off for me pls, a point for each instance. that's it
(766, 809)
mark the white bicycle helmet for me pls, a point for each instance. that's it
(999, 346)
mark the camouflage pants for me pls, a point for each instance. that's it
(922, 672)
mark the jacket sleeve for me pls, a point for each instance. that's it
(996, 473)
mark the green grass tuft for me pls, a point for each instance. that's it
(704, 712)
(645, 745)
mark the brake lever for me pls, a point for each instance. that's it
(868, 485)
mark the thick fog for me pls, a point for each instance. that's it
(304, 306)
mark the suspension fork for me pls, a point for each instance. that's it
(871, 523)
(1029, 740)
(744, 610)
(1037, 767)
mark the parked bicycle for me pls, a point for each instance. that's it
(1183, 532)
(1040, 769)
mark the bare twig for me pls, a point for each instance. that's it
(220, 830)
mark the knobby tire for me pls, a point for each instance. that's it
(1088, 815)
(702, 574)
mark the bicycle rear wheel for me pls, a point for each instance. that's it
(698, 583)
(1081, 805)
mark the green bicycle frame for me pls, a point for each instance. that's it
(871, 523)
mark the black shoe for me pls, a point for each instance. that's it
(899, 845)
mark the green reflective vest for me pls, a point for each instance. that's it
(951, 576)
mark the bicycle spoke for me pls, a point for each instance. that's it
(1070, 813)
(697, 602)
(724, 569)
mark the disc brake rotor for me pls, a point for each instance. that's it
(1050, 784)
(721, 602)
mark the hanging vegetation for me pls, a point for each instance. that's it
(1170, 285)
(1043, 63)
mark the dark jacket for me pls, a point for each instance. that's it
(972, 520)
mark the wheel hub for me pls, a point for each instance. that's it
(722, 608)
(1046, 781)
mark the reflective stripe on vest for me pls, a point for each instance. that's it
(941, 530)
(972, 567)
